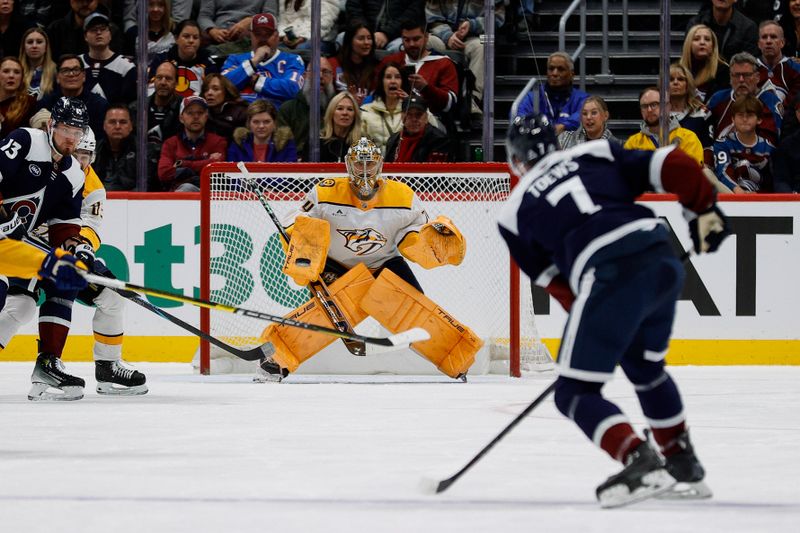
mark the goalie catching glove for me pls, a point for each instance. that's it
(308, 249)
(439, 243)
(708, 229)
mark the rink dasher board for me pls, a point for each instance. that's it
(746, 313)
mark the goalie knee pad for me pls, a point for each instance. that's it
(399, 306)
(108, 325)
(295, 345)
(18, 311)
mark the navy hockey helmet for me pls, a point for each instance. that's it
(70, 111)
(529, 139)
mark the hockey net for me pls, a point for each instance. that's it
(241, 259)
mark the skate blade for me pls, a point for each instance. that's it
(267, 378)
(687, 491)
(112, 389)
(655, 483)
(42, 392)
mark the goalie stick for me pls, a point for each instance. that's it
(398, 339)
(317, 288)
(437, 487)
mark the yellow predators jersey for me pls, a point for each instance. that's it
(361, 232)
(19, 259)
(94, 199)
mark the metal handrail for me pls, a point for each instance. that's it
(562, 37)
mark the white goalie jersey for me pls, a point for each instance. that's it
(364, 232)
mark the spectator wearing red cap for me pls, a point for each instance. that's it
(225, 21)
(185, 154)
(265, 72)
(418, 141)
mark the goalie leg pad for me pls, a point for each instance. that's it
(399, 306)
(295, 345)
(305, 257)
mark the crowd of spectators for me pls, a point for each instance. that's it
(228, 81)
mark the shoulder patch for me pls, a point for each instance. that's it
(307, 206)
(327, 182)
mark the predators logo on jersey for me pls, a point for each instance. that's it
(362, 241)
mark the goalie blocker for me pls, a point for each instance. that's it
(396, 305)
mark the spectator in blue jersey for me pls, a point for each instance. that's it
(743, 157)
(685, 106)
(71, 81)
(558, 99)
(193, 63)
(594, 125)
(108, 73)
(262, 140)
(265, 72)
(744, 81)
(574, 227)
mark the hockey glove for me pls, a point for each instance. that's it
(63, 269)
(708, 230)
(83, 251)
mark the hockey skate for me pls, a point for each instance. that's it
(689, 473)
(50, 375)
(269, 371)
(644, 476)
(115, 378)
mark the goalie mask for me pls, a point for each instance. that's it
(529, 139)
(364, 162)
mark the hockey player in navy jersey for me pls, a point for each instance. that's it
(113, 375)
(573, 226)
(40, 182)
(266, 72)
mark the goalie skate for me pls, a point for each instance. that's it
(644, 476)
(50, 381)
(114, 378)
(269, 371)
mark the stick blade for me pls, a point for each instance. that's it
(434, 486)
(409, 336)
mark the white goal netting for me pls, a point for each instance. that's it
(242, 259)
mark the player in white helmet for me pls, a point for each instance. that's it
(353, 229)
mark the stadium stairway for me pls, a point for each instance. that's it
(632, 69)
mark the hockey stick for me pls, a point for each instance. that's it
(254, 354)
(318, 288)
(399, 339)
(435, 487)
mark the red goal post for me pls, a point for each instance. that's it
(241, 255)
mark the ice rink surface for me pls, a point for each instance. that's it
(346, 453)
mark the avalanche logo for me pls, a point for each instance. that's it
(362, 241)
(186, 77)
